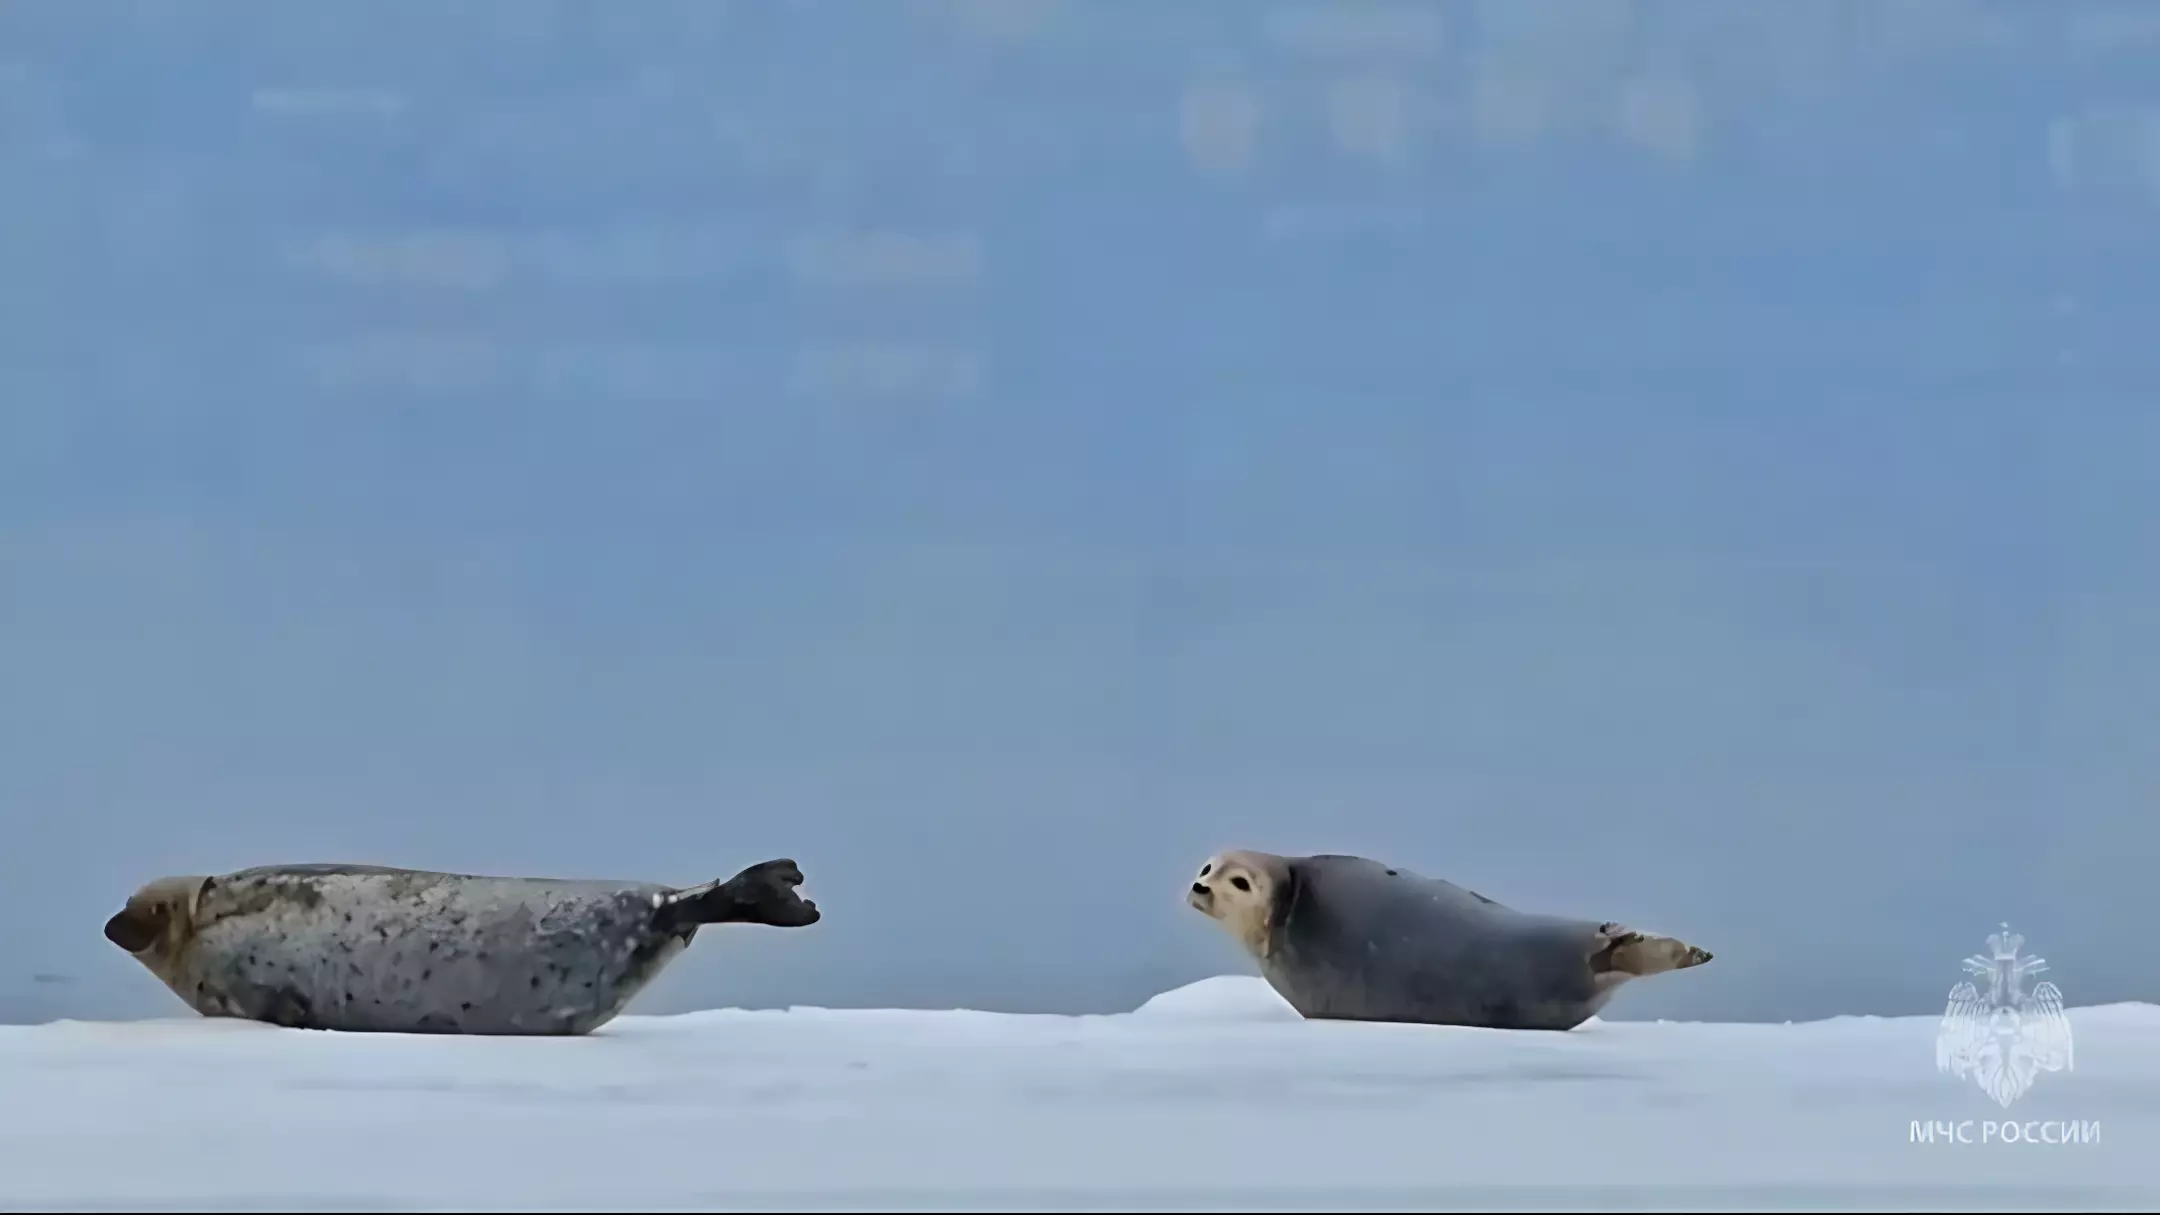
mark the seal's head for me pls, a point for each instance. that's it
(1241, 890)
(158, 919)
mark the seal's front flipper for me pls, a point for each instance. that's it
(1623, 951)
(761, 894)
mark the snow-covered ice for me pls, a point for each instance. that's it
(1212, 1096)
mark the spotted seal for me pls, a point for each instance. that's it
(1349, 939)
(369, 948)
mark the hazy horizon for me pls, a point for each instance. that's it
(1656, 462)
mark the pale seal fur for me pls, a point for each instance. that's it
(1344, 938)
(367, 948)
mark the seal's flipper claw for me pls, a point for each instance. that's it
(761, 894)
(1624, 951)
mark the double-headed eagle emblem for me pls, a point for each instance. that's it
(2004, 1036)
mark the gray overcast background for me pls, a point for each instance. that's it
(1691, 463)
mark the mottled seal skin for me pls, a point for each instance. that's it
(372, 949)
(1343, 938)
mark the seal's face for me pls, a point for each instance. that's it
(1237, 890)
(158, 919)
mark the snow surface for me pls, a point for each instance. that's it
(1212, 1096)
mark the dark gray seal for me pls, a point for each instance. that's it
(366, 948)
(1343, 938)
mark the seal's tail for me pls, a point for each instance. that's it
(761, 894)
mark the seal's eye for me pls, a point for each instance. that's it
(1241, 883)
(1204, 868)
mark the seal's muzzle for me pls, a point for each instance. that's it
(133, 930)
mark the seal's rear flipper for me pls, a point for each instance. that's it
(1623, 951)
(761, 894)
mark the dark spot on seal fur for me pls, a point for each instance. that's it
(535, 983)
(287, 1007)
(1394, 873)
(264, 888)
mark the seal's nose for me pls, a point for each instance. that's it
(1197, 888)
(130, 931)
